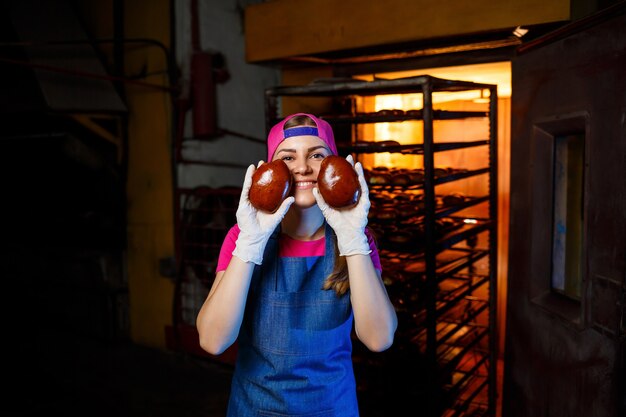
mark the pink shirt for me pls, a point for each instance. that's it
(288, 247)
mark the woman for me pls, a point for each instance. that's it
(289, 286)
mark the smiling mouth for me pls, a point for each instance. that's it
(305, 184)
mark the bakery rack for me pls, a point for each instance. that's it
(439, 266)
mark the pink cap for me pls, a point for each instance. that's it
(278, 134)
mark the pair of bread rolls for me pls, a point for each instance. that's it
(337, 182)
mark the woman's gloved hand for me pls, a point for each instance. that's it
(349, 224)
(255, 226)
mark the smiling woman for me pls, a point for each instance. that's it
(291, 284)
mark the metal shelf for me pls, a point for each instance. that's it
(376, 87)
(466, 231)
(439, 180)
(416, 115)
(413, 149)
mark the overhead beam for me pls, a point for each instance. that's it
(285, 28)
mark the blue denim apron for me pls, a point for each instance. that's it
(294, 347)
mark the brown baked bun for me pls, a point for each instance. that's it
(453, 199)
(338, 182)
(416, 175)
(386, 213)
(401, 237)
(271, 184)
(406, 210)
(441, 172)
(379, 178)
(400, 178)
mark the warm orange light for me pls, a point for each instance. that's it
(405, 133)
(484, 97)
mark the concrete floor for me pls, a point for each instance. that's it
(68, 375)
(51, 373)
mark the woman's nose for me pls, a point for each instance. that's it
(302, 167)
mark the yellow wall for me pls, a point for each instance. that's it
(149, 187)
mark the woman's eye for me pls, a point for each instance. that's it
(318, 156)
(287, 158)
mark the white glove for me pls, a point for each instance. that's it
(349, 223)
(255, 226)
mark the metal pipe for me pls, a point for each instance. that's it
(86, 74)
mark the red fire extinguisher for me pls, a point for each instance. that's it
(203, 95)
(207, 69)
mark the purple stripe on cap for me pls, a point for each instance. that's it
(301, 131)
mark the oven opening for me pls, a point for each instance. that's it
(397, 165)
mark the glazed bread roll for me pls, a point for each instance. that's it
(338, 182)
(271, 184)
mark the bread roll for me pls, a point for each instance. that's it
(338, 182)
(271, 184)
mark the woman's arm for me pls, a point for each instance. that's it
(220, 317)
(375, 318)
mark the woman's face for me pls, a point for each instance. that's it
(303, 155)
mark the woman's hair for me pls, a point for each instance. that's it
(299, 120)
(338, 278)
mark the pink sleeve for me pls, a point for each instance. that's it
(374, 254)
(226, 252)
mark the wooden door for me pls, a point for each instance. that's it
(564, 349)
